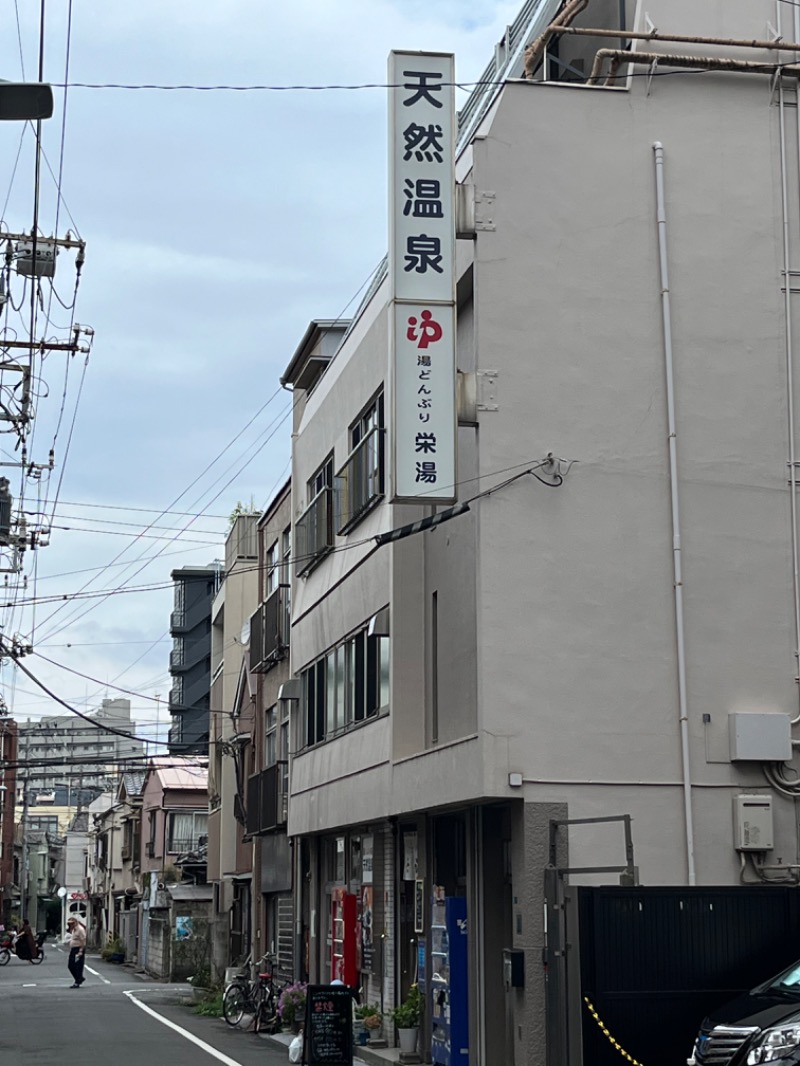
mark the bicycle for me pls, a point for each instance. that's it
(258, 998)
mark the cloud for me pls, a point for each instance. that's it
(217, 225)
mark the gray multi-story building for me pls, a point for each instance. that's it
(81, 756)
(190, 658)
(612, 627)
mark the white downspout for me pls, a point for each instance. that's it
(676, 523)
(787, 309)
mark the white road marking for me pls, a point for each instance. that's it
(183, 1032)
(29, 986)
(103, 979)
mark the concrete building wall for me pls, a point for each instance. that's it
(578, 636)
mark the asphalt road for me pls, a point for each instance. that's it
(114, 1019)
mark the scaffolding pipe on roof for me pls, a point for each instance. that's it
(534, 51)
(727, 42)
(620, 57)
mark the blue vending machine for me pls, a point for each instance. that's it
(448, 992)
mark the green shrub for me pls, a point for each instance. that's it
(211, 1005)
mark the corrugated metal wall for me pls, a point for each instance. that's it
(655, 961)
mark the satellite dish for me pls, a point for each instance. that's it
(62, 892)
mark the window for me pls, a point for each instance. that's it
(185, 830)
(322, 479)
(314, 528)
(349, 684)
(283, 756)
(271, 747)
(360, 482)
(286, 579)
(273, 570)
(43, 824)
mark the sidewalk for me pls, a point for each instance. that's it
(283, 1040)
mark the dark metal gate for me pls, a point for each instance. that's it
(655, 961)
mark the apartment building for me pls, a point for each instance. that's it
(231, 754)
(190, 658)
(606, 626)
(268, 786)
(88, 753)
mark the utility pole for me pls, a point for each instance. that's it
(24, 893)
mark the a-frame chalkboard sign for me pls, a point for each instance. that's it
(328, 1030)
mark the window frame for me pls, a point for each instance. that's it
(170, 834)
(273, 567)
(346, 686)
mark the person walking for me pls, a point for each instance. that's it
(77, 950)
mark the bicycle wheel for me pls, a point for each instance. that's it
(5, 956)
(234, 1003)
(259, 1010)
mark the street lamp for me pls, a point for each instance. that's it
(25, 101)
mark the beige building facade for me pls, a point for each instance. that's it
(612, 627)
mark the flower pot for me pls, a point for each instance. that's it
(408, 1038)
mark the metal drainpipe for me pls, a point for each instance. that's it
(789, 348)
(666, 317)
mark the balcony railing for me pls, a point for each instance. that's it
(314, 532)
(183, 845)
(188, 653)
(360, 482)
(177, 620)
(269, 631)
(266, 800)
(176, 695)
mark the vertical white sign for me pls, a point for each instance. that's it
(422, 236)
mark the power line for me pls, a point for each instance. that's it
(139, 536)
(465, 85)
(120, 522)
(144, 510)
(19, 40)
(73, 710)
(191, 485)
(108, 566)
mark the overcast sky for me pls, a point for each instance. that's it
(217, 224)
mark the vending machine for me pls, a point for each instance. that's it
(448, 991)
(344, 937)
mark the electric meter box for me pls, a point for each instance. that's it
(45, 265)
(760, 736)
(752, 823)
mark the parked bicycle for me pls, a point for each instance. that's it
(258, 998)
(8, 948)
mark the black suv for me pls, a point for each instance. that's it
(763, 1026)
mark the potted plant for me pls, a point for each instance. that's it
(114, 951)
(371, 1021)
(292, 1005)
(406, 1017)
